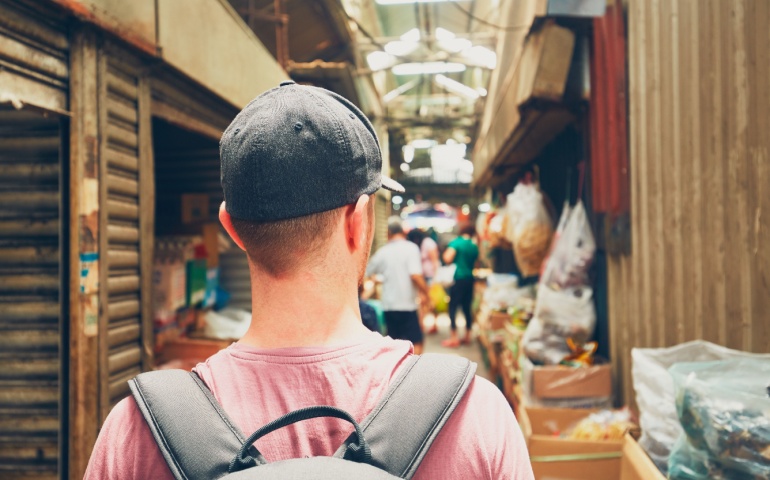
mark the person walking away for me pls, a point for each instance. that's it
(398, 263)
(430, 264)
(463, 252)
(300, 167)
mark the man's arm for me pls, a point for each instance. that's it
(449, 255)
(419, 282)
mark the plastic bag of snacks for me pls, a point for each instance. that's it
(559, 316)
(603, 425)
(529, 227)
(724, 410)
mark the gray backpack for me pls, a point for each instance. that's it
(199, 441)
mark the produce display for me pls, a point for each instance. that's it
(724, 410)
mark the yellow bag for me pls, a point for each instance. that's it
(439, 298)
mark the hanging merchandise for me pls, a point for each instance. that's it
(529, 227)
(565, 308)
(725, 414)
(572, 253)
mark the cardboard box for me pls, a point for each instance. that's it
(195, 207)
(636, 464)
(498, 320)
(555, 458)
(169, 283)
(555, 381)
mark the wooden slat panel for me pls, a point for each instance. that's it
(123, 309)
(124, 358)
(118, 387)
(29, 227)
(30, 172)
(32, 255)
(122, 160)
(698, 104)
(123, 258)
(121, 234)
(123, 334)
(121, 86)
(121, 185)
(123, 284)
(122, 110)
(34, 201)
(121, 136)
(122, 209)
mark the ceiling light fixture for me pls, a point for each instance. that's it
(456, 87)
(449, 41)
(481, 56)
(427, 68)
(408, 153)
(422, 143)
(379, 60)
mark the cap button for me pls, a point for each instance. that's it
(287, 82)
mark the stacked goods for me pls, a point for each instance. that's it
(724, 410)
(528, 227)
(656, 393)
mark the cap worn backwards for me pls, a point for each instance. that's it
(297, 150)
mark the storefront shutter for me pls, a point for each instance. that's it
(120, 350)
(30, 292)
(34, 77)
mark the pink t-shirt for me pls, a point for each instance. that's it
(481, 440)
(427, 246)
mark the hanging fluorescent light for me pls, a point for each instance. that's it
(401, 2)
(456, 87)
(404, 167)
(397, 199)
(482, 91)
(481, 56)
(448, 41)
(427, 68)
(422, 143)
(408, 153)
(484, 207)
(379, 60)
(412, 35)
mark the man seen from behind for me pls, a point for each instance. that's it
(300, 167)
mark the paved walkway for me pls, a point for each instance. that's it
(433, 342)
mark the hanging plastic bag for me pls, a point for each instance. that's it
(559, 315)
(724, 410)
(445, 275)
(572, 253)
(654, 390)
(529, 227)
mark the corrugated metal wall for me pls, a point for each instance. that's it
(30, 309)
(700, 204)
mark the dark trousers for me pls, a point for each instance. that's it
(461, 295)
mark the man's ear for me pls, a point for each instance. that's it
(227, 222)
(356, 223)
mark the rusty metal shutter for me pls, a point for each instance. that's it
(121, 346)
(34, 63)
(34, 72)
(30, 289)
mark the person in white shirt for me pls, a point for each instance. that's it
(399, 265)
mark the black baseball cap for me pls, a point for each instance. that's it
(296, 150)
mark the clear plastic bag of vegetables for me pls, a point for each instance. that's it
(724, 410)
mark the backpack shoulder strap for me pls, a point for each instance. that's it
(194, 434)
(408, 418)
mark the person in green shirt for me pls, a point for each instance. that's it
(463, 252)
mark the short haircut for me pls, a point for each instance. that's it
(468, 230)
(280, 247)
(395, 227)
(416, 236)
